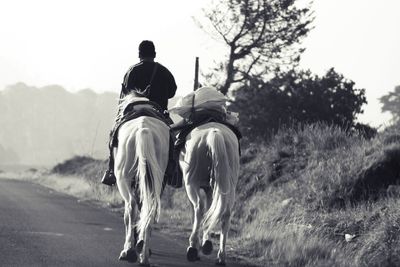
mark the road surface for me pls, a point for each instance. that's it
(41, 227)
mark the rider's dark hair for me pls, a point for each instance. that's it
(147, 49)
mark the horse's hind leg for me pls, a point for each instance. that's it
(129, 253)
(207, 246)
(194, 197)
(225, 225)
(126, 223)
(142, 247)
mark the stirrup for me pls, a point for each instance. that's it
(109, 178)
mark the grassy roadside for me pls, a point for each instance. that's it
(72, 184)
(303, 192)
(312, 196)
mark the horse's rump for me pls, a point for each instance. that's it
(198, 155)
(132, 134)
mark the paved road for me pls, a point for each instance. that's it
(40, 227)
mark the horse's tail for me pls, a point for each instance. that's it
(149, 177)
(222, 179)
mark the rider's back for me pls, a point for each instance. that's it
(163, 85)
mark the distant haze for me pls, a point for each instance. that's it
(42, 126)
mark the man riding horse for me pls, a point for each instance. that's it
(151, 80)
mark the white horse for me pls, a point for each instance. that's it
(210, 161)
(140, 163)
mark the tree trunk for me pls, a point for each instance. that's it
(230, 73)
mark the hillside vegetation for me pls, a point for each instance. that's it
(311, 196)
(306, 189)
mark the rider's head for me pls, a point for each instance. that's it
(147, 50)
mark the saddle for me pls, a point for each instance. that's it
(134, 110)
(200, 118)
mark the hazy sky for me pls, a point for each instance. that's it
(361, 39)
(91, 43)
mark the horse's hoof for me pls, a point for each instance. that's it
(207, 247)
(139, 246)
(192, 254)
(129, 256)
(220, 263)
(122, 256)
(144, 264)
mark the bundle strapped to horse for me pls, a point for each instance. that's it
(210, 107)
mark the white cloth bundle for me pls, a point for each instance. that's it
(205, 98)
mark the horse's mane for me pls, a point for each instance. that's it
(130, 98)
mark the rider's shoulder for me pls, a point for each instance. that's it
(133, 67)
(159, 65)
(137, 65)
(162, 67)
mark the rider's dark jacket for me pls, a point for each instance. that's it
(163, 85)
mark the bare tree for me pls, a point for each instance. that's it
(261, 35)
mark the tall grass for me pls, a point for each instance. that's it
(89, 171)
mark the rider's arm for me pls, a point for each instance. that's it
(171, 84)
